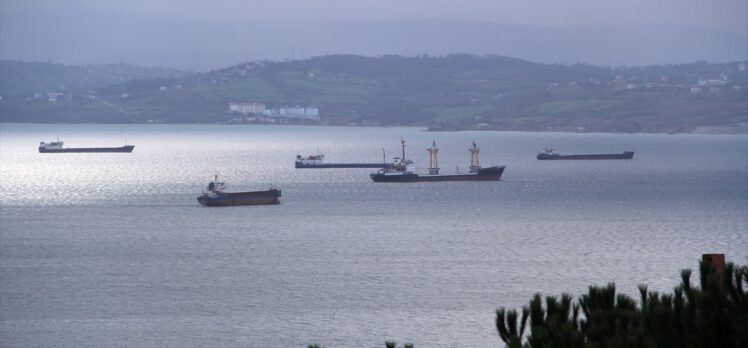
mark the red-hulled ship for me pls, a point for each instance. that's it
(403, 170)
(215, 196)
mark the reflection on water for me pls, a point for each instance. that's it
(100, 249)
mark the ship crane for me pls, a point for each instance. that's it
(474, 158)
(404, 170)
(433, 160)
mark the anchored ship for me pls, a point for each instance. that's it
(57, 147)
(550, 153)
(216, 196)
(318, 161)
(403, 170)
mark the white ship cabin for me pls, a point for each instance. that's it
(403, 165)
(311, 159)
(55, 145)
(550, 151)
(215, 187)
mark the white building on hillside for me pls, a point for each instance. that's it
(298, 112)
(247, 108)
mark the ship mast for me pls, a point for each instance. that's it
(384, 160)
(474, 158)
(402, 142)
(433, 161)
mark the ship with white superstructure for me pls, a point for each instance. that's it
(404, 170)
(318, 161)
(59, 147)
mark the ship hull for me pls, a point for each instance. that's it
(611, 156)
(341, 165)
(241, 198)
(484, 174)
(127, 148)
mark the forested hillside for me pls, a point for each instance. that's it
(444, 93)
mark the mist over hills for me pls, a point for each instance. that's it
(450, 92)
(28, 78)
(203, 45)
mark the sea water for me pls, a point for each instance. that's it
(114, 250)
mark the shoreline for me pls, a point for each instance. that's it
(710, 130)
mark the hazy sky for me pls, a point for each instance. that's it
(731, 15)
(212, 34)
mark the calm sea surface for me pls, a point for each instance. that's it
(113, 250)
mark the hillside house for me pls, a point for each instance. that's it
(247, 108)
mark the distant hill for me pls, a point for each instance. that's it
(203, 45)
(27, 78)
(444, 93)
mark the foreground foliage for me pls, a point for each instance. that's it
(387, 344)
(714, 315)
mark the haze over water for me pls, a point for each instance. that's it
(114, 250)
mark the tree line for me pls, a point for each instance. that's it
(712, 314)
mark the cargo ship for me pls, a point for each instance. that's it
(403, 170)
(216, 196)
(318, 161)
(550, 153)
(57, 147)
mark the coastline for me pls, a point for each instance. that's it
(712, 130)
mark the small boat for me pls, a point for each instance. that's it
(318, 161)
(550, 153)
(58, 147)
(404, 170)
(215, 195)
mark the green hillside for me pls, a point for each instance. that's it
(444, 93)
(30, 78)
